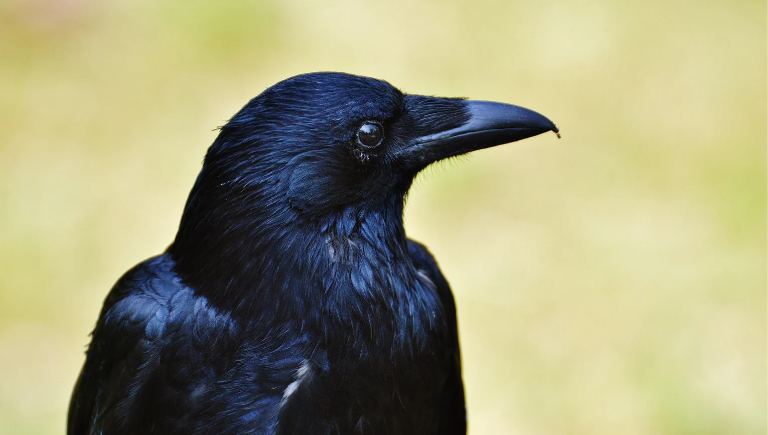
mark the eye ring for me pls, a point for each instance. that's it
(370, 134)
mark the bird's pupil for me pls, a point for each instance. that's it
(370, 134)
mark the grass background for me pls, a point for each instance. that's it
(610, 282)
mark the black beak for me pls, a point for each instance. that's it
(489, 124)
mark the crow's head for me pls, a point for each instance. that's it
(324, 153)
(324, 142)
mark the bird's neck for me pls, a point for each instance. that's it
(279, 266)
(348, 280)
(374, 299)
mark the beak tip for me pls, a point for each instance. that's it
(543, 122)
(502, 115)
(555, 130)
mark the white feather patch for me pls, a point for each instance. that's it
(301, 374)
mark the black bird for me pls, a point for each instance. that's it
(291, 300)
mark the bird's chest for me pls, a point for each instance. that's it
(384, 360)
(369, 389)
(383, 347)
(383, 318)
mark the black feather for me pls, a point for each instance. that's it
(291, 301)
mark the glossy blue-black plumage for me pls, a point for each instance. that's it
(291, 301)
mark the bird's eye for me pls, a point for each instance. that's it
(370, 134)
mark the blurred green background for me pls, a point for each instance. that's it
(612, 282)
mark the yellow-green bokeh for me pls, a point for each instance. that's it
(611, 282)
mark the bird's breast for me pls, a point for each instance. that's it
(367, 388)
(385, 353)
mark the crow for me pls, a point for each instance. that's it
(291, 300)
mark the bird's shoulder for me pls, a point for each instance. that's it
(126, 344)
(160, 350)
(140, 302)
(150, 302)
